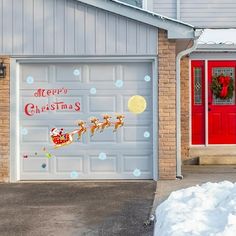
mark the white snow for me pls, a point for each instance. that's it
(206, 210)
(218, 36)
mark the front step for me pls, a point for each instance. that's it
(217, 160)
(214, 155)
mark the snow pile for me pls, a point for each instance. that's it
(206, 210)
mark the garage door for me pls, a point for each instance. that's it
(56, 97)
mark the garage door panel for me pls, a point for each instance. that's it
(68, 163)
(68, 73)
(36, 134)
(107, 136)
(38, 165)
(142, 162)
(136, 72)
(108, 165)
(137, 134)
(106, 155)
(102, 73)
(39, 73)
(102, 104)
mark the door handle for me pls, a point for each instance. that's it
(209, 109)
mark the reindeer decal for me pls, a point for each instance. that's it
(119, 123)
(82, 129)
(60, 139)
(95, 125)
(106, 123)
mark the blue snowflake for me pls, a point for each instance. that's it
(93, 90)
(137, 172)
(76, 72)
(147, 78)
(102, 156)
(74, 174)
(24, 131)
(119, 83)
(30, 80)
(146, 134)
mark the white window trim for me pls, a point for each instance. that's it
(147, 5)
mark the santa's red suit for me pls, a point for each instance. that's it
(58, 137)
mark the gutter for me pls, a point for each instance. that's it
(178, 102)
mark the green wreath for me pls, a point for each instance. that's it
(222, 87)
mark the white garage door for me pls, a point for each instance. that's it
(58, 95)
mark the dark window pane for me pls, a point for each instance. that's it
(197, 86)
(137, 3)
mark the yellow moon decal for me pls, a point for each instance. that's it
(137, 104)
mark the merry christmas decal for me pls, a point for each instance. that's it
(60, 138)
(33, 109)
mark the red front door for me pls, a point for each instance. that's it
(221, 112)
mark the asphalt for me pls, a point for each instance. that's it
(76, 208)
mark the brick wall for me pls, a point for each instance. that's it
(184, 75)
(167, 106)
(5, 122)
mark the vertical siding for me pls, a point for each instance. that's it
(28, 27)
(38, 26)
(111, 34)
(67, 27)
(59, 39)
(49, 26)
(17, 26)
(80, 14)
(7, 26)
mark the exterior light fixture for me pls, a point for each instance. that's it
(2, 70)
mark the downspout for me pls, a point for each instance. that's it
(178, 103)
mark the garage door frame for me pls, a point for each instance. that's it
(14, 103)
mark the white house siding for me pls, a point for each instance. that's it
(200, 13)
(67, 27)
(165, 7)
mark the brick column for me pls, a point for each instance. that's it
(167, 106)
(184, 74)
(5, 122)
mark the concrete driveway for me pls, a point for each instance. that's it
(76, 208)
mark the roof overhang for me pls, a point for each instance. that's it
(176, 29)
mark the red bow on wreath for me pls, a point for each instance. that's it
(222, 87)
(224, 82)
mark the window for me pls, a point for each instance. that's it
(197, 86)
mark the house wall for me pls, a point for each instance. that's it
(201, 13)
(5, 122)
(67, 27)
(31, 32)
(166, 111)
(167, 107)
(165, 7)
(185, 113)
